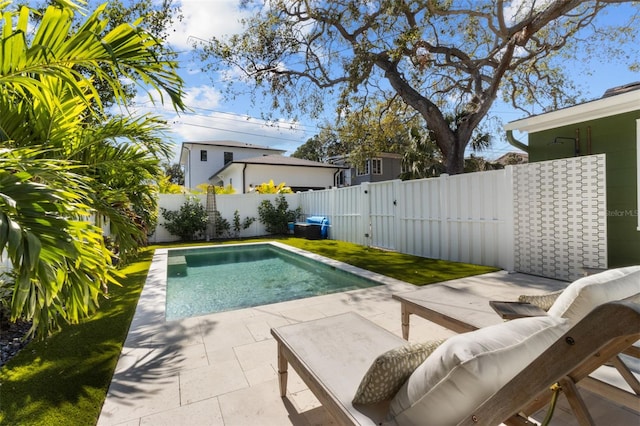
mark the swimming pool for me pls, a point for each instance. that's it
(221, 278)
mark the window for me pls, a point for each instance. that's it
(362, 172)
(228, 157)
(203, 155)
(376, 166)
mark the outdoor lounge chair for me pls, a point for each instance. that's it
(462, 310)
(501, 373)
(440, 305)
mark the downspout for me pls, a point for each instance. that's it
(516, 143)
(335, 177)
(188, 164)
(244, 187)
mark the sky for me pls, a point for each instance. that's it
(211, 117)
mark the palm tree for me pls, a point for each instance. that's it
(124, 158)
(58, 166)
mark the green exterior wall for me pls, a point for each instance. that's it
(615, 136)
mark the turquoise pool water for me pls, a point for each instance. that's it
(207, 280)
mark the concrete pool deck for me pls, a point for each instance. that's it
(221, 369)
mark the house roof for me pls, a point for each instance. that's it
(607, 106)
(233, 144)
(279, 160)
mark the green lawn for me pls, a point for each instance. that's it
(63, 380)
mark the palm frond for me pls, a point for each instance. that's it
(44, 235)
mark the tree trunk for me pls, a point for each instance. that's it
(454, 162)
(451, 144)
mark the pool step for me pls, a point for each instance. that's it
(177, 266)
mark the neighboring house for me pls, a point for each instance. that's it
(609, 125)
(201, 159)
(298, 174)
(384, 166)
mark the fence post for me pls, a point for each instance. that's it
(399, 211)
(445, 232)
(366, 213)
(507, 234)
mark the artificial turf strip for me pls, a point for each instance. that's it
(412, 269)
(64, 380)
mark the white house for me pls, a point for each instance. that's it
(201, 159)
(298, 174)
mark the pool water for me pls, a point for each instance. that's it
(207, 280)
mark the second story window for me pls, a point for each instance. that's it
(203, 155)
(228, 157)
(376, 166)
(363, 171)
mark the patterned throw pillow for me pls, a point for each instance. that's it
(390, 370)
(543, 301)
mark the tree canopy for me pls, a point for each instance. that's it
(385, 127)
(320, 147)
(442, 58)
(174, 173)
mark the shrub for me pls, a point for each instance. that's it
(188, 223)
(275, 218)
(238, 225)
(223, 228)
(271, 188)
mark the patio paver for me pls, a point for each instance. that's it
(220, 369)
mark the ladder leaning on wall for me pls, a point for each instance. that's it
(211, 212)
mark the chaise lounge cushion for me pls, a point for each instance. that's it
(468, 368)
(585, 294)
(389, 371)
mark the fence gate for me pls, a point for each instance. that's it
(383, 223)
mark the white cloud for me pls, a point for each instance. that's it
(202, 97)
(205, 19)
(194, 97)
(518, 9)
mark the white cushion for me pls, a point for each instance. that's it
(468, 368)
(585, 294)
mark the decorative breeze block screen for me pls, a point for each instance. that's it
(560, 217)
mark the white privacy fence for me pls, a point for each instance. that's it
(245, 204)
(546, 218)
(466, 218)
